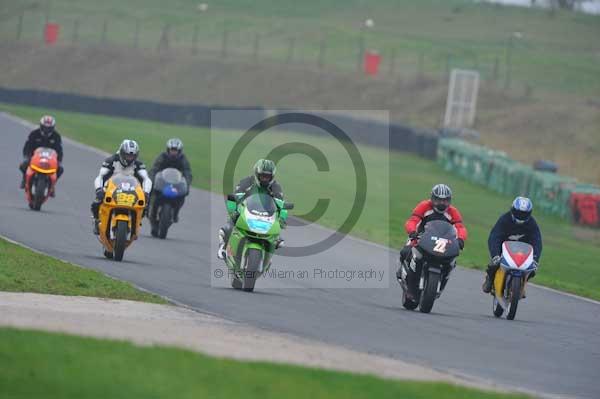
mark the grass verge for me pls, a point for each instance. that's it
(396, 182)
(22, 270)
(37, 364)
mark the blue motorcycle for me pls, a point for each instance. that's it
(168, 192)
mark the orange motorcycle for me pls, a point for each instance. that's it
(40, 177)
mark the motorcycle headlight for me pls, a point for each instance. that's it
(259, 224)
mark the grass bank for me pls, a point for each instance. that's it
(22, 270)
(37, 364)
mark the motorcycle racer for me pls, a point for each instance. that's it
(438, 207)
(172, 157)
(44, 136)
(515, 225)
(263, 180)
(125, 162)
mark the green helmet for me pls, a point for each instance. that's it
(264, 172)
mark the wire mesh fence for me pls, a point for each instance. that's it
(323, 49)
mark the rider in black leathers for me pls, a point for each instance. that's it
(44, 136)
(172, 157)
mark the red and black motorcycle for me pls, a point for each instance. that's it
(40, 177)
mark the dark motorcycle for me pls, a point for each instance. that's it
(426, 271)
(167, 193)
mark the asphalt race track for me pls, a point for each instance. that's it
(553, 347)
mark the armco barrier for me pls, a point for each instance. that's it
(402, 138)
(551, 193)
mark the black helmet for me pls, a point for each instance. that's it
(264, 172)
(441, 196)
(128, 152)
(47, 124)
(174, 148)
(521, 210)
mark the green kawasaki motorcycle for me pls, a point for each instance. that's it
(254, 237)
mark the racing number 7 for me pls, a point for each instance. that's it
(440, 245)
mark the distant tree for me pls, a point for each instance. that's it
(566, 4)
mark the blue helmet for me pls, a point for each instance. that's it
(521, 210)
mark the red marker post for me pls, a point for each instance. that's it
(51, 32)
(371, 62)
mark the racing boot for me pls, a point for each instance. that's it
(96, 227)
(221, 253)
(280, 243)
(399, 274)
(489, 278)
(411, 284)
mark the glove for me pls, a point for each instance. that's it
(536, 264)
(461, 243)
(413, 235)
(99, 194)
(495, 260)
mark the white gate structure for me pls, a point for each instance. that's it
(461, 104)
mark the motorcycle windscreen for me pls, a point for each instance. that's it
(516, 254)
(260, 212)
(44, 160)
(168, 176)
(125, 183)
(439, 240)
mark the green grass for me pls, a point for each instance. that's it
(568, 263)
(557, 52)
(22, 270)
(36, 364)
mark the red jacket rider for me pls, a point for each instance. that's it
(436, 208)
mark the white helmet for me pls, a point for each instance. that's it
(47, 124)
(441, 196)
(128, 152)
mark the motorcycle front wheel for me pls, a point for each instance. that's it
(39, 186)
(164, 222)
(514, 296)
(120, 240)
(429, 293)
(253, 261)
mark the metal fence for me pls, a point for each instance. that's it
(325, 48)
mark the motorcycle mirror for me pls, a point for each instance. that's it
(288, 205)
(231, 197)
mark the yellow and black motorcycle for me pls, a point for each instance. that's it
(120, 215)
